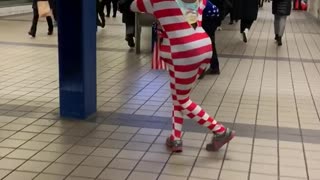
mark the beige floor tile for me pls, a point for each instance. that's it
(20, 175)
(123, 164)
(114, 174)
(59, 169)
(207, 173)
(264, 169)
(254, 176)
(49, 177)
(152, 167)
(230, 175)
(87, 171)
(177, 170)
(293, 172)
(142, 175)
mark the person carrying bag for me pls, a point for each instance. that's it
(41, 8)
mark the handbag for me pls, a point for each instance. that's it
(157, 62)
(44, 9)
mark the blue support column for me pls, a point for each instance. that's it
(77, 58)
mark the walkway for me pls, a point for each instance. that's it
(269, 94)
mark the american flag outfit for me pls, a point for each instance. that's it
(187, 52)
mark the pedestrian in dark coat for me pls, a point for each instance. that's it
(114, 7)
(100, 6)
(247, 12)
(128, 17)
(281, 10)
(210, 25)
(33, 29)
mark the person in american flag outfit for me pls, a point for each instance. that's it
(187, 50)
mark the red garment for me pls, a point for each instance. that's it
(187, 52)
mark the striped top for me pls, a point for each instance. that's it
(181, 40)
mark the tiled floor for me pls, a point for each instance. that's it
(269, 94)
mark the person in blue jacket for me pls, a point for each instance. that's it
(33, 29)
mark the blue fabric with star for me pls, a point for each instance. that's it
(211, 10)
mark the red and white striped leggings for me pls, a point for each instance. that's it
(181, 84)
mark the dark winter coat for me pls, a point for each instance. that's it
(35, 5)
(281, 7)
(127, 15)
(245, 9)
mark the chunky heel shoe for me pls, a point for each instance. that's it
(32, 34)
(279, 41)
(219, 140)
(130, 41)
(174, 145)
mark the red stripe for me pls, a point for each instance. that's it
(187, 68)
(183, 92)
(182, 101)
(157, 1)
(165, 48)
(141, 6)
(187, 39)
(167, 13)
(178, 120)
(201, 113)
(201, 122)
(193, 52)
(176, 26)
(191, 116)
(184, 81)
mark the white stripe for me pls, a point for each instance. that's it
(171, 20)
(196, 110)
(164, 5)
(178, 126)
(166, 42)
(185, 75)
(207, 123)
(191, 45)
(183, 86)
(165, 55)
(148, 5)
(180, 33)
(134, 7)
(216, 128)
(187, 104)
(177, 114)
(206, 116)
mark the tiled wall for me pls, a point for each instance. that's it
(5, 11)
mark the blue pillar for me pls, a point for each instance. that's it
(77, 58)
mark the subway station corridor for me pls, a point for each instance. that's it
(270, 95)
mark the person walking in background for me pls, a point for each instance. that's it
(54, 12)
(186, 50)
(33, 29)
(297, 4)
(210, 23)
(128, 18)
(230, 10)
(102, 21)
(247, 12)
(114, 7)
(281, 10)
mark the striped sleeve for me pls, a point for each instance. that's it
(143, 6)
(203, 4)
